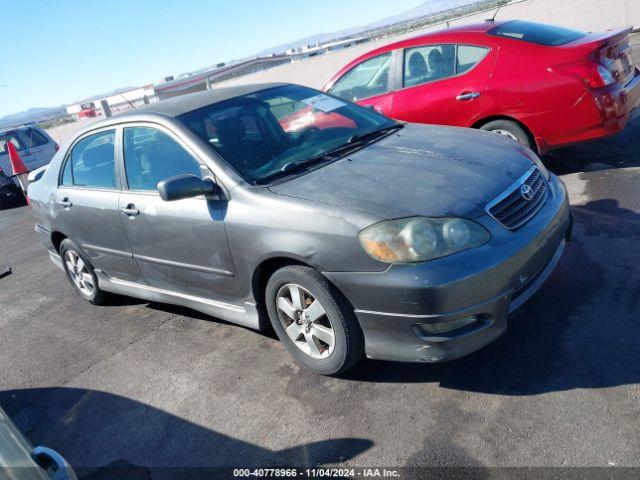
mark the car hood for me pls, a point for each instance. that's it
(425, 170)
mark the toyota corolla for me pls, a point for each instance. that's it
(349, 233)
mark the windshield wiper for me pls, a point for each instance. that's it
(353, 142)
(348, 145)
(359, 137)
(328, 155)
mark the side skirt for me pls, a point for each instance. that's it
(245, 315)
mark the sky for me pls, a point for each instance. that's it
(58, 52)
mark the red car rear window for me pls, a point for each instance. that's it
(540, 33)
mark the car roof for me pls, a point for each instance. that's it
(442, 34)
(176, 106)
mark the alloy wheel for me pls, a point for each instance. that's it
(79, 273)
(305, 321)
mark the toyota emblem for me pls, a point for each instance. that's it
(526, 192)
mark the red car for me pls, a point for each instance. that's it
(543, 85)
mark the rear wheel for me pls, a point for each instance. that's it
(510, 129)
(80, 273)
(312, 320)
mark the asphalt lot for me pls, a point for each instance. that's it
(150, 385)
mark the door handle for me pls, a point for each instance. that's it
(467, 96)
(65, 203)
(130, 210)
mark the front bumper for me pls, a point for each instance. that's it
(404, 311)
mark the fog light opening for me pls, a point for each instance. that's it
(458, 324)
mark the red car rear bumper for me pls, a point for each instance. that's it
(600, 113)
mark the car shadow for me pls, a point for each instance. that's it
(103, 435)
(620, 151)
(580, 330)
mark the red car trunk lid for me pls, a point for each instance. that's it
(610, 49)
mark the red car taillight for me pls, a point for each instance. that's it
(594, 75)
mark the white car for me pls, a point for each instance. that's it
(35, 147)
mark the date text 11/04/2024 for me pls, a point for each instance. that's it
(317, 472)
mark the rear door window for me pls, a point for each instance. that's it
(540, 33)
(91, 162)
(428, 64)
(468, 56)
(366, 79)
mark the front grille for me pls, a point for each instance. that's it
(511, 209)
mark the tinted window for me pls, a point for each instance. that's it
(92, 161)
(262, 134)
(67, 177)
(367, 79)
(33, 138)
(536, 32)
(428, 64)
(468, 56)
(9, 137)
(151, 156)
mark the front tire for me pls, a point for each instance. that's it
(510, 129)
(80, 273)
(312, 320)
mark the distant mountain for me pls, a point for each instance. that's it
(39, 114)
(429, 7)
(32, 115)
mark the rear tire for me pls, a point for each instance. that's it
(80, 273)
(313, 321)
(510, 129)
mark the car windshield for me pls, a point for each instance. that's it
(263, 134)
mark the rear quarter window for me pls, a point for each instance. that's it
(468, 56)
(540, 33)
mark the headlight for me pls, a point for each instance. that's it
(536, 159)
(417, 239)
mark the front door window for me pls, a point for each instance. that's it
(151, 156)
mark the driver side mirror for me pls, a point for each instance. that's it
(185, 186)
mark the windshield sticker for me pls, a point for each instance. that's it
(323, 103)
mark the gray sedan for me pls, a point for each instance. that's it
(347, 232)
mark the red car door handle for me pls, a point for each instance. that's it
(467, 96)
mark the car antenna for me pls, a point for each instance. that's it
(493, 19)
